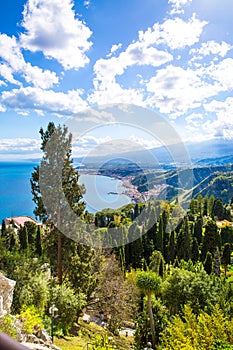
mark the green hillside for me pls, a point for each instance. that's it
(188, 183)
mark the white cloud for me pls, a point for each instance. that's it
(19, 145)
(6, 73)
(211, 48)
(52, 27)
(177, 5)
(194, 121)
(43, 101)
(14, 63)
(114, 48)
(145, 143)
(175, 90)
(222, 73)
(223, 125)
(177, 33)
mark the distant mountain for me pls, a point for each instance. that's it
(212, 152)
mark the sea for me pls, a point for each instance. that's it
(16, 197)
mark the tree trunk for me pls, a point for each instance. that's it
(59, 251)
(152, 324)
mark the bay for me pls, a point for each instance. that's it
(16, 198)
(103, 192)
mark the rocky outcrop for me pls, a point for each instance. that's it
(6, 292)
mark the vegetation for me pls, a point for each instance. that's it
(170, 279)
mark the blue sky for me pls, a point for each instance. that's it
(60, 57)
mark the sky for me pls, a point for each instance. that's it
(60, 59)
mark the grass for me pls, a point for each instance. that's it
(92, 333)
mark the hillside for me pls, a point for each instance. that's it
(187, 183)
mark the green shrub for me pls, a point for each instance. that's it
(31, 319)
(67, 303)
(7, 326)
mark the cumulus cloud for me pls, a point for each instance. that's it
(19, 145)
(52, 28)
(175, 90)
(43, 101)
(210, 48)
(14, 63)
(223, 124)
(177, 33)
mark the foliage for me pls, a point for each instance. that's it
(7, 326)
(148, 281)
(196, 289)
(31, 319)
(35, 292)
(114, 295)
(194, 332)
(67, 303)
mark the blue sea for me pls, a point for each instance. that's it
(16, 198)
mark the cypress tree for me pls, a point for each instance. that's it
(218, 209)
(208, 263)
(195, 251)
(159, 236)
(211, 239)
(171, 248)
(226, 256)
(23, 237)
(3, 228)
(198, 229)
(38, 242)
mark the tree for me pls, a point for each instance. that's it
(184, 241)
(211, 239)
(113, 295)
(198, 229)
(23, 237)
(208, 263)
(218, 209)
(157, 262)
(195, 250)
(38, 242)
(3, 228)
(149, 283)
(195, 288)
(57, 176)
(226, 256)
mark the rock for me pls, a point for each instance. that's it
(43, 335)
(6, 291)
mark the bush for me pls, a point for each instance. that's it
(7, 326)
(31, 319)
(67, 303)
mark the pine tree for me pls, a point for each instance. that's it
(57, 178)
